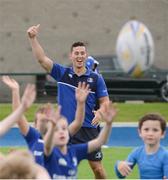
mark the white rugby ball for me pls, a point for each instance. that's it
(135, 48)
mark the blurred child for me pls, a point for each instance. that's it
(34, 137)
(20, 164)
(151, 158)
(61, 160)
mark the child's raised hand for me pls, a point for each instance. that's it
(28, 96)
(54, 115)
(124, 168)
(82, 92)
(10, 82)
(57, 114)
(108, 113)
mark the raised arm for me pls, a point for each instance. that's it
(107, 114)
(82, 92)
(48, 138)
(14, 86)
(37, 49)
(27, 100)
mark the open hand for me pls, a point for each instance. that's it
(28, 96)
(107, 114)
(82, 92)
(124, 168)
(54, 115)
(97, 118)
(10, 82)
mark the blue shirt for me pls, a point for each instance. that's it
(151, 166)
(67, 81)
(35, 145)
(64, 166)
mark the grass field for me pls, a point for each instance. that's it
(128, 112)
(111, 155)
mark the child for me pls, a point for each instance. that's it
(26, 102)
(20, 164)
(34, 137)
(151, 158)
(62, 160)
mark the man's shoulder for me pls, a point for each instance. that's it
(94, 75)
(58, 68)
(56, 65)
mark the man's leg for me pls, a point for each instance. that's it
(95, 160)
(84, 135)
(98, 170)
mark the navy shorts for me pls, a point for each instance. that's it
(84, 135)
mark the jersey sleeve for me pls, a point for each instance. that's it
(132, 157)
(57, 71)
(31, 137)
(81, 151)
(101, 87)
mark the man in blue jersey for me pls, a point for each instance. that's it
(151, 158)
(67, 80)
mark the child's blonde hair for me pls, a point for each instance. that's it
(18, 165)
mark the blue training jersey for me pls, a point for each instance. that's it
(64, 166)
(67, 82)
(151, 166)
(35, 144)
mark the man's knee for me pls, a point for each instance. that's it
(99, 171)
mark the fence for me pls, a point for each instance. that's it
(38, 79)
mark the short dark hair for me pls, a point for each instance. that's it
(76, 44)
(153, 117)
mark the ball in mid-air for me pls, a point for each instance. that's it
(135, 48)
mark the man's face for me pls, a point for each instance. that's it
(78, 56)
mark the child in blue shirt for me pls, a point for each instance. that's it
(34, 136)
(61, 160)
(151, 158)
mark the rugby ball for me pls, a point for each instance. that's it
(135, 48)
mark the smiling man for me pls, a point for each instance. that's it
(67, 80)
